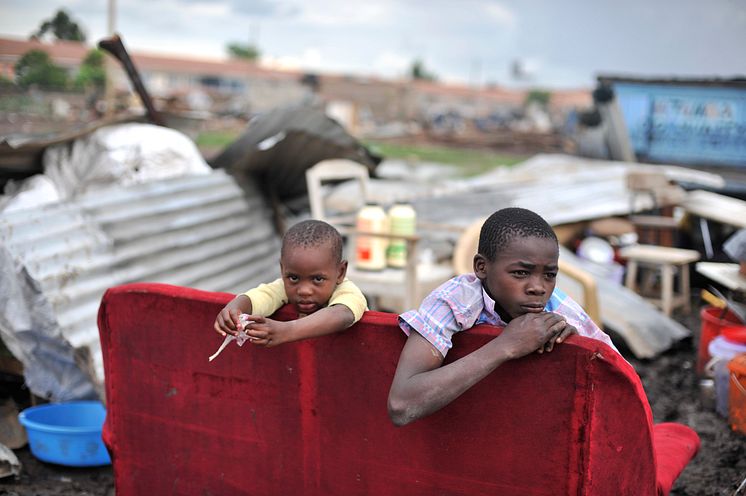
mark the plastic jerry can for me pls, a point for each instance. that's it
(737, 399)
(370, 251)
(722, 351)
(402, 220)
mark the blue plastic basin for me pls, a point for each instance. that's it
(67, 433)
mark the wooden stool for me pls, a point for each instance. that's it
(667, 260)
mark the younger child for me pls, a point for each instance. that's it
(513, 286)
(313, 281)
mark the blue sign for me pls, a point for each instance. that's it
(687, 124)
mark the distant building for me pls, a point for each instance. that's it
(165, 76)
(251, 88)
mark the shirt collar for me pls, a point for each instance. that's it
(489, 306)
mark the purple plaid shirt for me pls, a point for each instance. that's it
(461, 303)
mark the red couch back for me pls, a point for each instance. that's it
(310, 418)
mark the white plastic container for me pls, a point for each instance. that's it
(370, 251)
(722, 351)
(402, 220)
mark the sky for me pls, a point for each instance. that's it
(557, 44)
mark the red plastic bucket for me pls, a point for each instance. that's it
(712, 326)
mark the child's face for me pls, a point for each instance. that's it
(310, 275)
(523, 275)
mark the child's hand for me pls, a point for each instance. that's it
(568, 330)
(227, 321)
(265, 332)
(531, 332)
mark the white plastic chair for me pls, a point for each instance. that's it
(396, 289)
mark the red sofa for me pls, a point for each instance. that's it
(310, 418)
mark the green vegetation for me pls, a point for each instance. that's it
(539, 96)
(92, 72)
(242, 51)
(418, 71)
(5, 82)
(471, 162)
(217, 138)
(62, 27)
(36, 68)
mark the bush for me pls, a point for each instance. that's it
(36, 68)
(92, 72)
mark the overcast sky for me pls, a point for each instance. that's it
(560, 43)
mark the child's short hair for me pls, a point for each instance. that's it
(507, 224)
(311, 233)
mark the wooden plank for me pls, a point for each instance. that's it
(713, 206)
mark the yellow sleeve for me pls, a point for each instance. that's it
(267, 298)
(349, 295)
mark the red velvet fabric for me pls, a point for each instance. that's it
(310, 417)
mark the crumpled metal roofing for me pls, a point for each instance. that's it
(197, 231)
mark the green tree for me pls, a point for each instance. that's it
(242, 51)
(62, 27)
(35, 67)
(539, 96)
(418, 71)
(92, 72)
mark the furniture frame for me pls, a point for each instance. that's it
(310, 417)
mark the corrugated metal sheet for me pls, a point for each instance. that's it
(561, 188)
(198, 231)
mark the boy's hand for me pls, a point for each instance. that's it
(227, 320)
(266, 332)
(567, 331)
(532, 332)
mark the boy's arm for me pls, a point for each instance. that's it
(349, 295)
(328, 320)
(421, 386)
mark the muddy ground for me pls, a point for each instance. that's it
(671, 385)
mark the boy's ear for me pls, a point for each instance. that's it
(342, 271)
(480, 266)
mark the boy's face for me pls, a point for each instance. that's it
(310, 275)
(523, 275)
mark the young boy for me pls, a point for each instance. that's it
(513, 286)
(313, 281)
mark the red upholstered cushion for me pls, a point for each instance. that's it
(310, 417)
(675, 445)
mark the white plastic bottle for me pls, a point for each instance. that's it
(402, 220)
(370, 251)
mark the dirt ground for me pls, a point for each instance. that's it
(671, 385)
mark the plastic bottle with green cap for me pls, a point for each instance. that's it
(402, 220)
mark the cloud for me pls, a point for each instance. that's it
(391, 64)
(253, 8)
(500, 13)
(343, 12)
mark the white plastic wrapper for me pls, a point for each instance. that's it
(240, 339)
